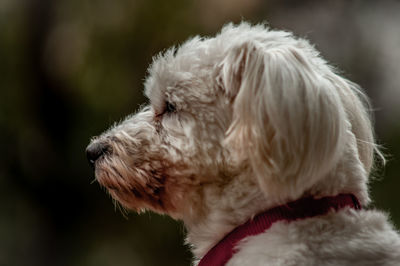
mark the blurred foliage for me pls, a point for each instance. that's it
(69, 69)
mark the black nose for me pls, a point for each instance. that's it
(94, 151)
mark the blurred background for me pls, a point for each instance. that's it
(70, 68)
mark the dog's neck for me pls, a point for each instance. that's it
(233, 205)
(226, 207)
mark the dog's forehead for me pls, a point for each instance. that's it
(167, 80)
(180, 67)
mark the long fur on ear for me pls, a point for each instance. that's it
(289, 121)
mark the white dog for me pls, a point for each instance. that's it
(259, 147)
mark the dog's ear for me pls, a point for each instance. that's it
(288, 119)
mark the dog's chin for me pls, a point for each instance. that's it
(134, 189)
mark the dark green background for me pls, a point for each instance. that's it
(70, 68)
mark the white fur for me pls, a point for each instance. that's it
(345, 238)
(258, 119)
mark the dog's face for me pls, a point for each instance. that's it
(250, 103)
(158, 157)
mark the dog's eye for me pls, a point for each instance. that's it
(169, 108)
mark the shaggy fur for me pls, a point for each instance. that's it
(243, 122)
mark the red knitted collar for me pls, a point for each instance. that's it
(299, 209)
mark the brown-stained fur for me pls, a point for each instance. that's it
(135, 193)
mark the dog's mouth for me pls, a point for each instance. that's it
(137, 180)
(133, 187)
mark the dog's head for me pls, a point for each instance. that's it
(250, 104)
